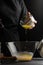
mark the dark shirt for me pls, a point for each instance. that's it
(11, 9)
(11, 12)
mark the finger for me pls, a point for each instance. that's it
(33, 19)
(28, 13)
(32, 24)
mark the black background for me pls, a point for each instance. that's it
(36, 8)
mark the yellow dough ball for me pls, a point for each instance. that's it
(27, 26)
(24, 57)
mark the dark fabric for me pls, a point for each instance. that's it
(10, 15)
(5, 50)
(36, 54)
(10, 12)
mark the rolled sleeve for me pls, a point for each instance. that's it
(24, 11)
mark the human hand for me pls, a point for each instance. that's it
(30, 21)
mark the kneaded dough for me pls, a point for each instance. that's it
(24, 57)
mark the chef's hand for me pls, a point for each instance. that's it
(29, 21)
